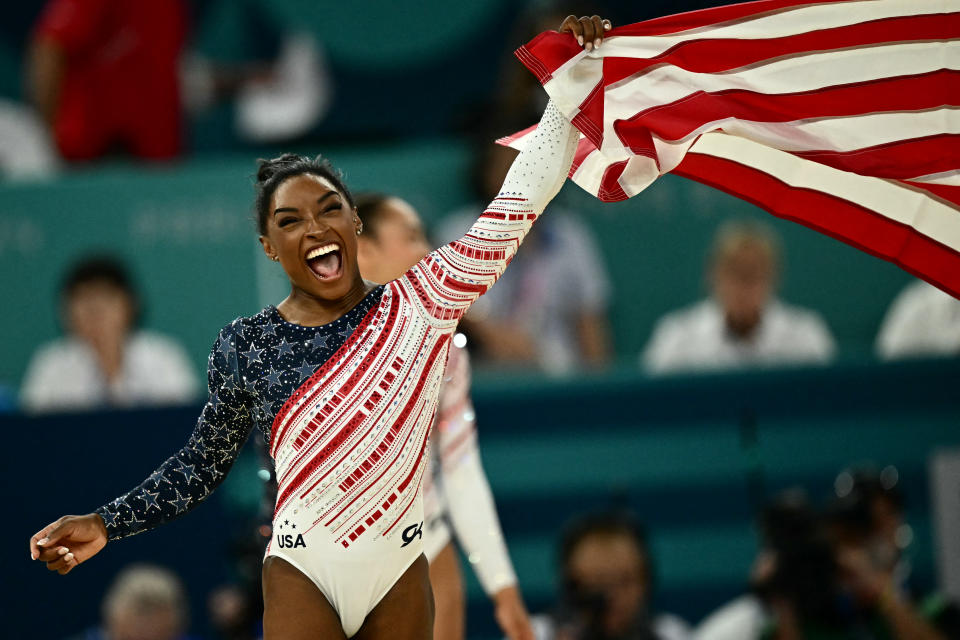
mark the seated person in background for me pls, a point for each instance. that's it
(143, 603)
(741, 323)
(607, 572)
(104, 74)
(921, 321)
(105, 361)
(549, 310)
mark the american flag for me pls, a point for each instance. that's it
(841, 115)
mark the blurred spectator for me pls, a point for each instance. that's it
(549, 310)
(104, 74)
(869, 535)
(791, 576)
(233, 613)
(741, 323)
(26, 151)
(834, 575)
(105, 360)
(282, 86)
(607, 575)
(922, 321)
(144, 602)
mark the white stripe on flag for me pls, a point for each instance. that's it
(928, 216)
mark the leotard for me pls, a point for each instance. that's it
(348, 427)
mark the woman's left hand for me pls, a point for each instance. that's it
(588, 30)
(512, 615)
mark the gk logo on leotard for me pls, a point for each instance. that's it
(411, 532)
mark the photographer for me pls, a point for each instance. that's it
(607, 578)
(869, 535)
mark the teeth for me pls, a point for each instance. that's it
(321, 251)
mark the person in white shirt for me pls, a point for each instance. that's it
(104, 361)
(742, 323)
(922, 321)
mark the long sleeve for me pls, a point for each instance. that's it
(189, 476)
(466, 491)
(450, 279)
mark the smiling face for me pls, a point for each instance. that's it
(311, 229)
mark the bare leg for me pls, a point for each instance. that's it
(293, 607)
(406, 612)
(448, 593)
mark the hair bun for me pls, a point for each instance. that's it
(266, 169)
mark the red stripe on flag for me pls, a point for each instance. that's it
(676, 120)
(712, 55)
(900, 160)
(946, 192)
(841, 219)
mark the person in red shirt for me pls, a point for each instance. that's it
(103, 75)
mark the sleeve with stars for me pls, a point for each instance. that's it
(190, 475)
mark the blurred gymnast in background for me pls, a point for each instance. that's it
(344, 379)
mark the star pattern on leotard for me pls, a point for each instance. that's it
(284, 348)
(150, 498)
(252, 354)
(272, 378)
(254, 367)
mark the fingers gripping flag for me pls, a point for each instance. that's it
(841, 115)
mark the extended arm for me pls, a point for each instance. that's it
(189, 476)
(451, 278)
(177, 486)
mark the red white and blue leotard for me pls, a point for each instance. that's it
(348, 428)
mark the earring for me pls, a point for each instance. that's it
(360, 229)
(275, 258)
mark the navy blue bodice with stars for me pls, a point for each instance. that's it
(255, 365)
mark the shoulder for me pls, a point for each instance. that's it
(690, 317)
(796, 318)
(55, 350)
(245, 327)
(152, 341)
(671, 627)
(738, 619)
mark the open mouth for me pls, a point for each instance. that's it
(325, 262)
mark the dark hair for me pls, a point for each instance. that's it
(805, 570)
(271, 173)
(100, 268)
(370, 210)
(605, 523)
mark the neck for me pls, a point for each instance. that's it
(302, 308)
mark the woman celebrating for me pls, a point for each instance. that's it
(343, 379)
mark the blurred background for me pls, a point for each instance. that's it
(709, 374)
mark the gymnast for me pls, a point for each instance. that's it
(343, 379)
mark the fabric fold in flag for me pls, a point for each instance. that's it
(842, 115)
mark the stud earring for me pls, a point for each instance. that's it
(275, 258)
